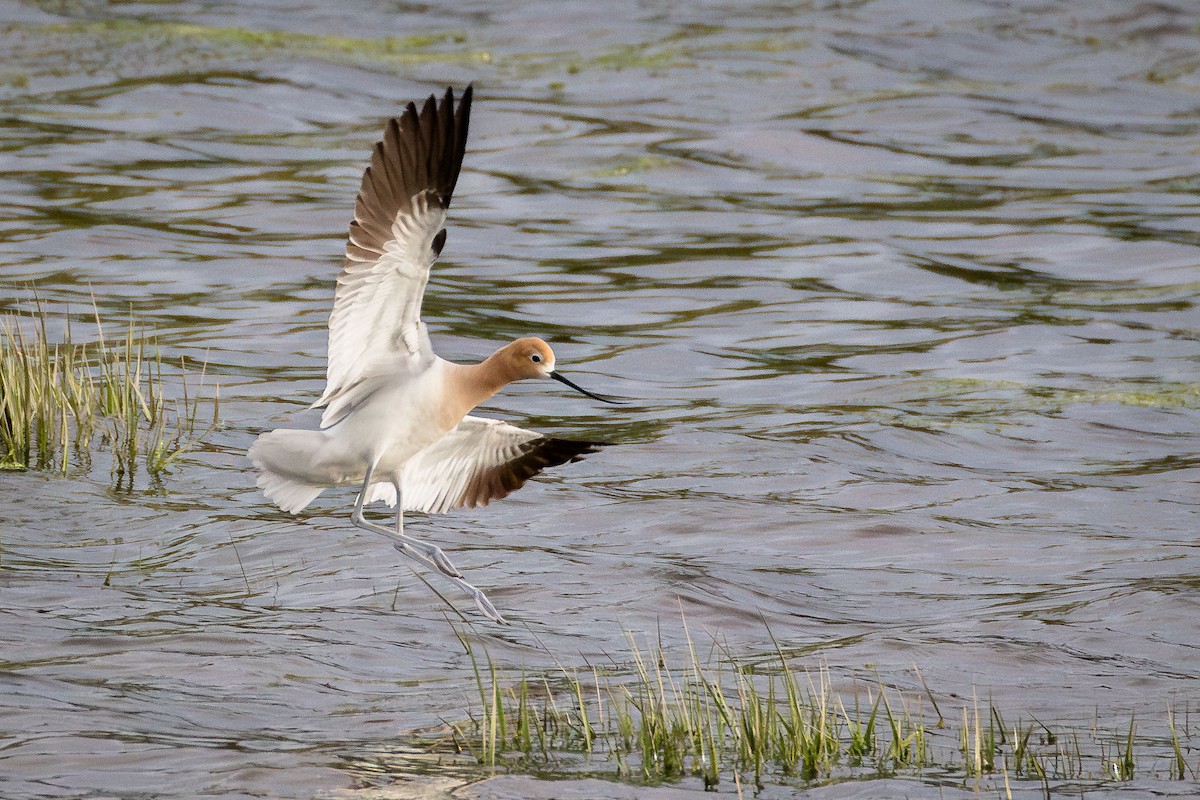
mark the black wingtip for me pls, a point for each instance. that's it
(421, 153)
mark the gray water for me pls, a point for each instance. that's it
(904, 295)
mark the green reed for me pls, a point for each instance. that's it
(907, 746)
(1179, 767)
(59, 400)
(756, 722)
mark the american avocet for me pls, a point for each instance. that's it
(396, 420)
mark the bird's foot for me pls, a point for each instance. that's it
(482, 602)
(487, 609)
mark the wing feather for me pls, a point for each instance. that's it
(396, 235)
(479, 461)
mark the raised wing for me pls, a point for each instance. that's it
(479, 461)
(397, 233)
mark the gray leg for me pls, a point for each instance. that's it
(433, 555)
(432, 551)
(423, 553)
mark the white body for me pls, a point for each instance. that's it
(394, 420)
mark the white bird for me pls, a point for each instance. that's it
(396, 420)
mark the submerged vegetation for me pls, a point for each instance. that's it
(749, 723)
(59, 401)
(125, 44)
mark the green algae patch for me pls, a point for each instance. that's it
(959, 403)
(125, 44)
(405, 49)
(1029, 397)
(641, 164)
(385, 51)
(1160, 395)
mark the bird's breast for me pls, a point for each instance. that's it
(404, 417)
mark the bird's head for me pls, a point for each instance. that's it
(530, 357)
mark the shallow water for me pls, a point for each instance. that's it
(905, 296)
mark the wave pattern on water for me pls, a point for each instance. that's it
(905, 294)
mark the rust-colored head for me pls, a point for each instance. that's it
(530, 357)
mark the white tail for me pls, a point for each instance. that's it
(273, 453)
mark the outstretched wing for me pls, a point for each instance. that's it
(479, 461)
(397, 233)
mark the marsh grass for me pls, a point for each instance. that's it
(60, 400)
(1179, 765)
(757, 722)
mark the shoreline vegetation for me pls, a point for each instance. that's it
(61, 402)
(745, 724)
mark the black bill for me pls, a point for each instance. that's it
(558, 377)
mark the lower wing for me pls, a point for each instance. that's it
(480, 460)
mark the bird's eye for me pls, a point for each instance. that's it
(535, 358)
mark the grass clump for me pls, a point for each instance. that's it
(715, 719)
(758, 722)
(58, 400)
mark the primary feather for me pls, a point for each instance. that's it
(397, 234)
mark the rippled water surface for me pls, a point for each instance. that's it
(905, 295)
